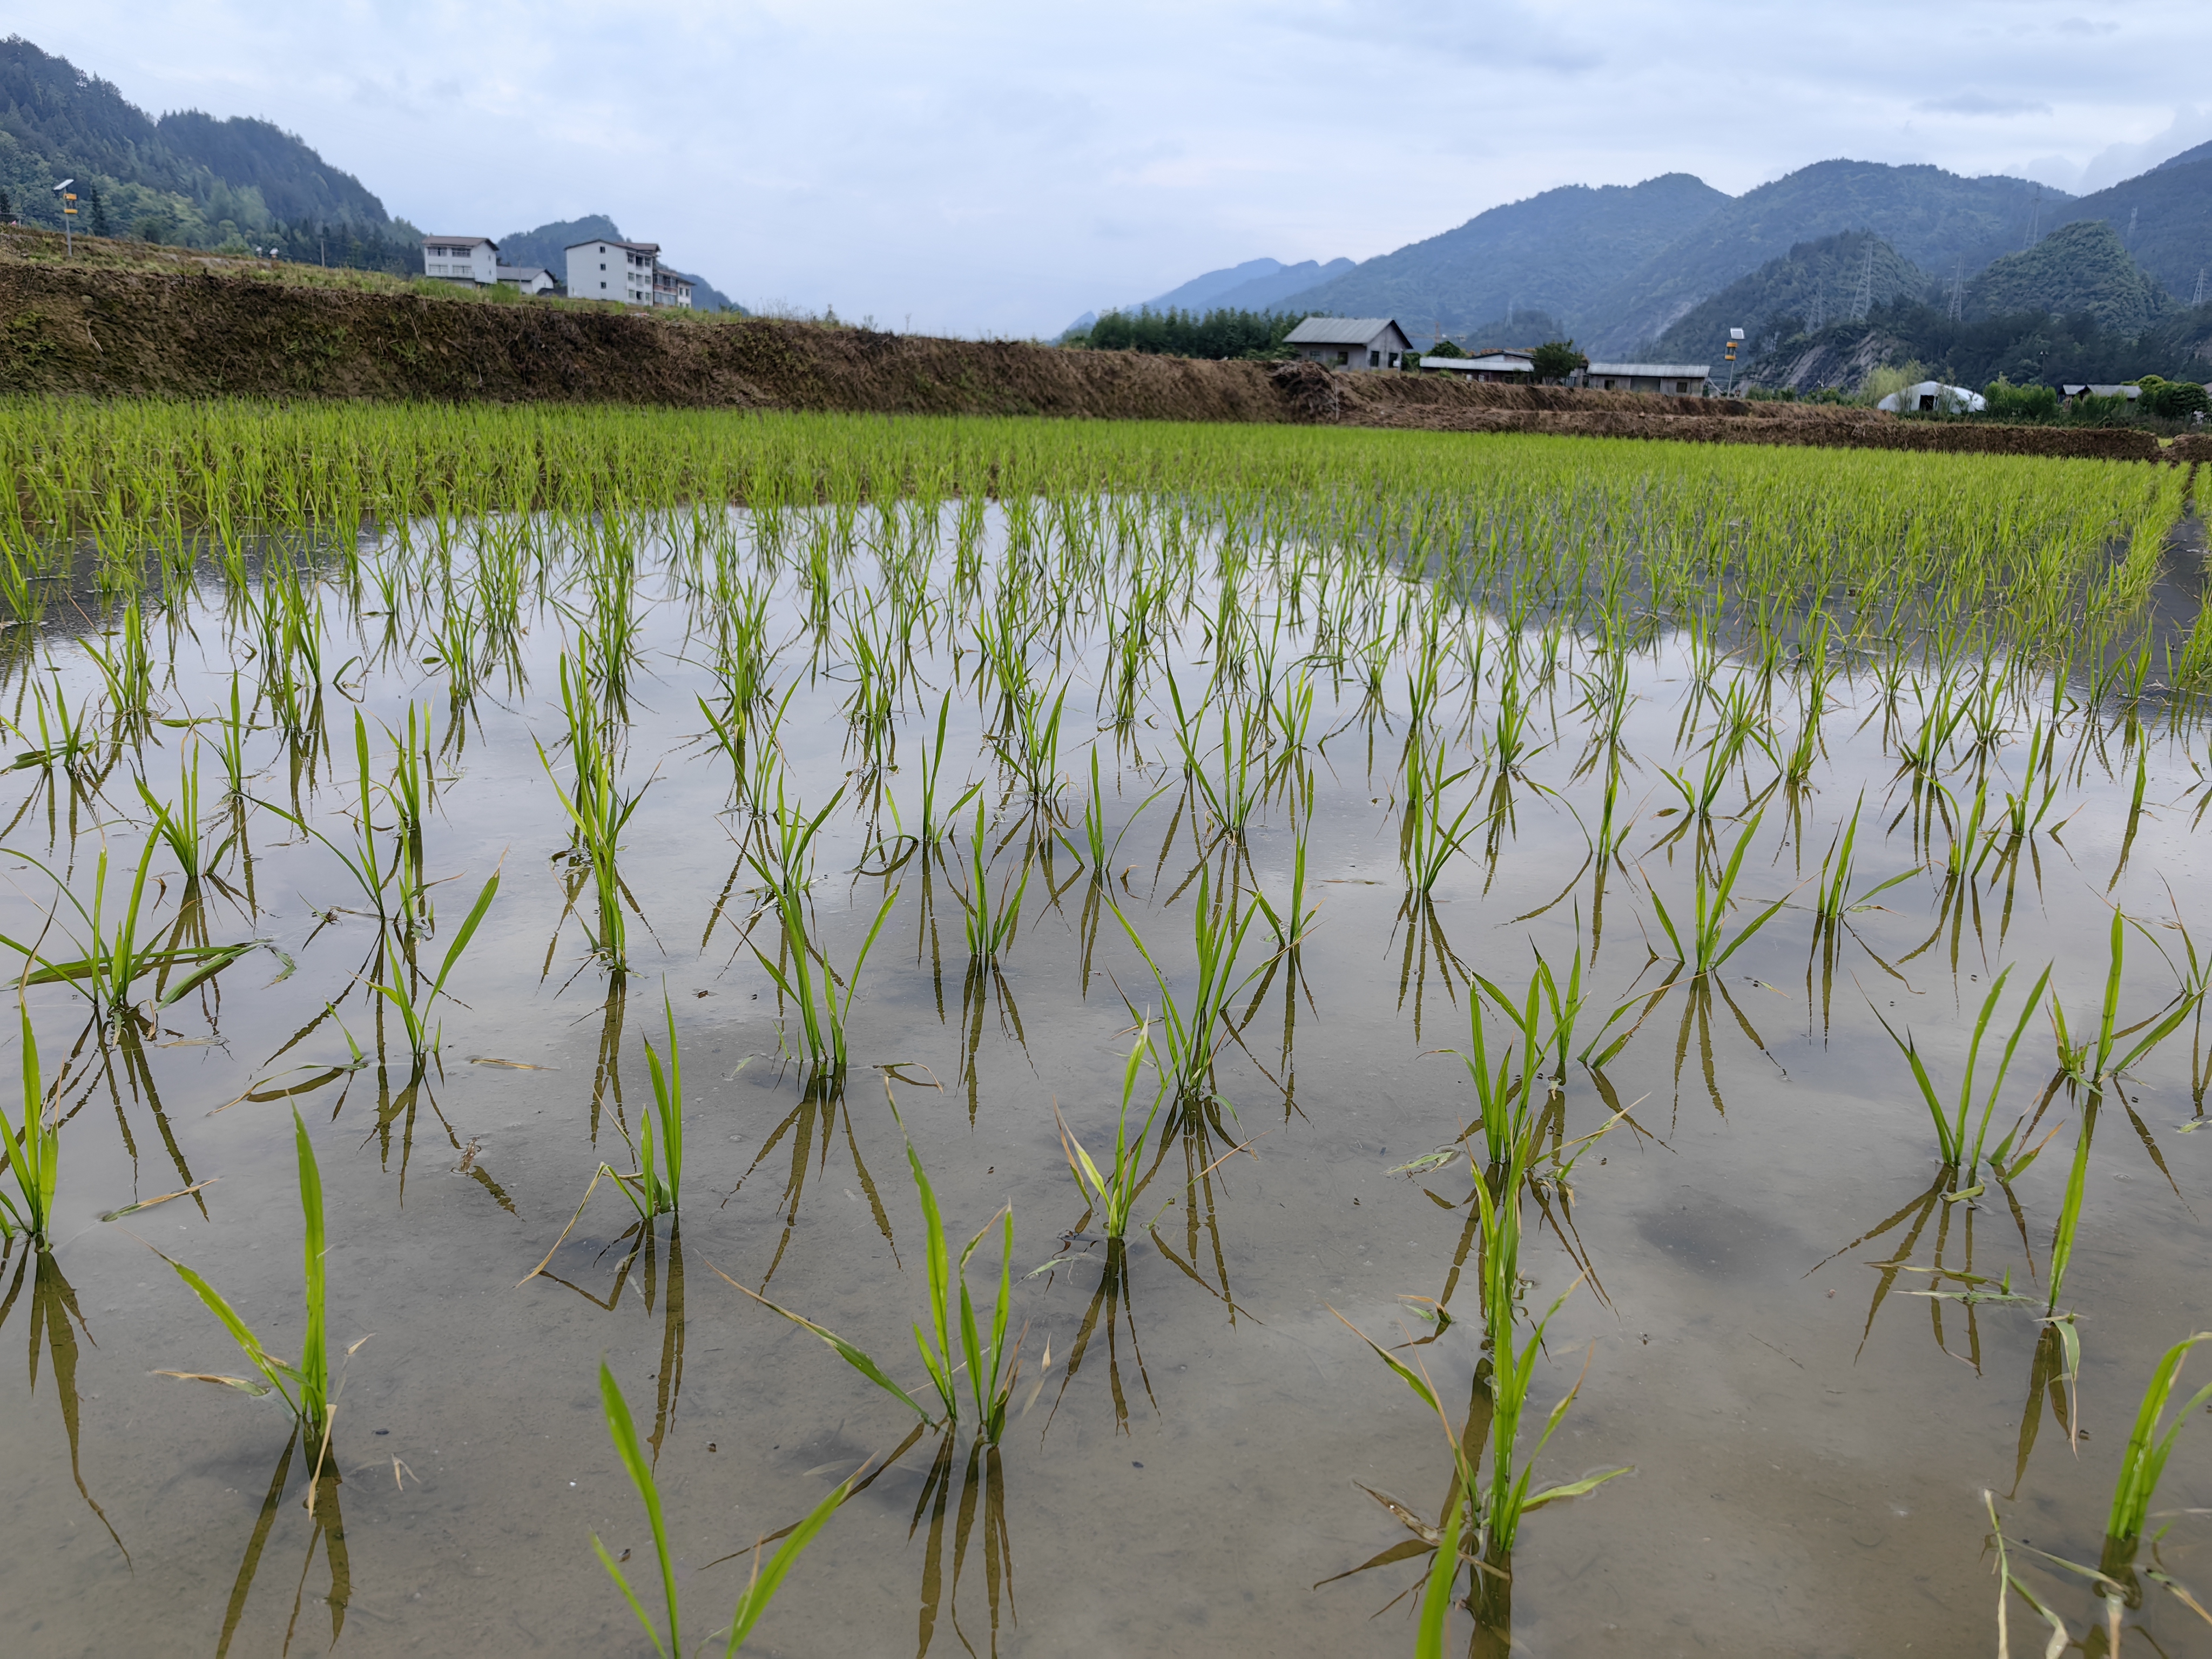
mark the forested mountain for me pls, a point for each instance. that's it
(1938, 221)
(186, 178)
(1554, 252)
(2164, 218)
(2080, 267)
(1814, 284)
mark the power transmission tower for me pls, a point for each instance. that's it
(2130, 239)
(1820, 317)
(2034, 214)
(1866, 284)
(2199, 299)
(1959, 289)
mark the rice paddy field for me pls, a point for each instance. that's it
(661, 1032)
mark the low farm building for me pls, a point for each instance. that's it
(1505, 367)
(1361, 343)
(1674, 380)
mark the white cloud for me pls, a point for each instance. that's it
(990, 166)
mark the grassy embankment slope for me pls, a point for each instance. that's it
(123, 319)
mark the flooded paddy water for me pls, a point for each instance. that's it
(1499, 892)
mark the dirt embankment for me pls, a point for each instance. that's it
(109, 332)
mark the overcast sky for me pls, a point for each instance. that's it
(987, 167)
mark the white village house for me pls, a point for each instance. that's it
(1361, 343)
(629, 272)
(1674, 380)
(461, 259)
(1507, 367)
(531, 279)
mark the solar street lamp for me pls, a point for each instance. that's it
(1734, 339)
(62, 190)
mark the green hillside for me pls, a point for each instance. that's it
(1814, 285)
(2079, 267)
(1935, 219)
(188, 178)
(2164, 217)
(1549, 253)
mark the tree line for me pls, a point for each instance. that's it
(1177, 333)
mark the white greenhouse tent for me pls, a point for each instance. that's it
(1935, 396)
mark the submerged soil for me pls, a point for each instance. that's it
(1195, 1434)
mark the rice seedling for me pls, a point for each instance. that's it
(111, 956)
(760, 1588)
(656, 1186)
(947, 1345)
(33, 1156)
(1711, 899)
(66, 738)
(1195, 1030)
(416, 1004)
(1112, 1193)
(991, 922)
(1951, 1129)
(597, 813)
(1427, 840)
(304, 1385)
(2142, 1462)
(781, 855)
(2089, 1062)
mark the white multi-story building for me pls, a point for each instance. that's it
(671, 288)
(461, 259)
(608, 270)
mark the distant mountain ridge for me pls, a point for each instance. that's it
(1670, 264)
(1255, 285)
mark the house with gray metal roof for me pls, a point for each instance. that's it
(1675, 379)
(1361, 343)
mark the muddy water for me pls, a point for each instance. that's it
(1810, 1441)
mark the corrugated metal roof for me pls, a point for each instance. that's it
(1652, 371)
(1491, 363)
(1340, 330)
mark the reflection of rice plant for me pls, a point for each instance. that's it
(33, 1156)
